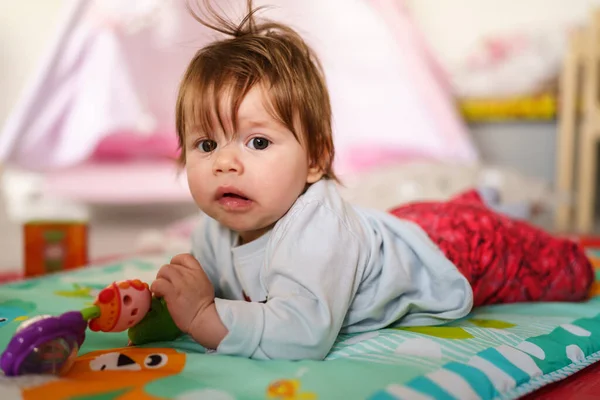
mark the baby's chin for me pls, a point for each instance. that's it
(248, 231)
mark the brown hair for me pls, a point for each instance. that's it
(266, 53)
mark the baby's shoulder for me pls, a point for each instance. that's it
(321, 208)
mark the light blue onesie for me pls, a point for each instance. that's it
(326, 267)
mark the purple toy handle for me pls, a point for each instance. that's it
(47, 346)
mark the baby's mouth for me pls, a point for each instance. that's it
(233, 199)
(234, 196)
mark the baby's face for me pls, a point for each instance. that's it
(249, 181)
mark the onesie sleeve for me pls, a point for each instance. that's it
(311, 278)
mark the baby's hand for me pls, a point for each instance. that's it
(186, 289)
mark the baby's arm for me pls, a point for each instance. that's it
(207, 328)
(311, 279)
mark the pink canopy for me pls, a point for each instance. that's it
(105, 92)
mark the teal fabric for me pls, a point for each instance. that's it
(465, 358)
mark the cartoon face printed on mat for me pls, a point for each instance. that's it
(117, 361)
(122, 373)
(15, 310)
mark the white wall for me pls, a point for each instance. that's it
(453, 27)
(26, 26)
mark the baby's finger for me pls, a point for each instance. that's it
(170, 273)
(186, 260)
(161, 288)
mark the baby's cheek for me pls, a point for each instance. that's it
(197, 185)
(282, 194)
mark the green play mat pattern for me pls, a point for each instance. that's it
(501, 351)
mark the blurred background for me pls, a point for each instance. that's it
(429, 98)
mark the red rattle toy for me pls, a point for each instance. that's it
(49, 344)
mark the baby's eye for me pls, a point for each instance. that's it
(207, 145)
(259, 143)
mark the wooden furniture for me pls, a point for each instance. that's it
(579, 130)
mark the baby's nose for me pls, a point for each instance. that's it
(227, 161)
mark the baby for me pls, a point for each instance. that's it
(282, 264)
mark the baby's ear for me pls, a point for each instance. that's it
(315, 173)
